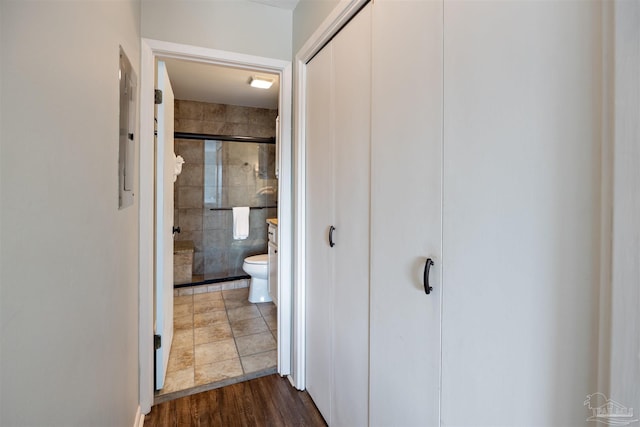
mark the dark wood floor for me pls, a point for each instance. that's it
(266, 401)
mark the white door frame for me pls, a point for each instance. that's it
(337, 19)
(150, 50)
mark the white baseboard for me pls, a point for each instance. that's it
(139, 420)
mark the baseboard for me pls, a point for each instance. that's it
(139, 421)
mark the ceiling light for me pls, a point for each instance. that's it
(261, 82)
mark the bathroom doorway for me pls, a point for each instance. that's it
(258, 333)
(225, 140)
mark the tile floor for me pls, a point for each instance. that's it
(217, 336)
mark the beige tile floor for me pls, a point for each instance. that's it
(219, 335)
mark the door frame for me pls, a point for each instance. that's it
(332, 24)
(150, 50)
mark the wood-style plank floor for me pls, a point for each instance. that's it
(267, 401)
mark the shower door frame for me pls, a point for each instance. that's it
(150, 51)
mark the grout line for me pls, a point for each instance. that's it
(246, 375)
(235, 342)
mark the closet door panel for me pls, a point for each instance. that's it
(521, 204)
(352, 88)
(406, 212)
(319, 216)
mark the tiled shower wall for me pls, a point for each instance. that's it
(217, 254)
(220, 119)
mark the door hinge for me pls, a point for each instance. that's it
(158, 96)
(157, 341)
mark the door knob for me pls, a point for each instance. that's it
(331, 230)
(176, 230)
(427, 268)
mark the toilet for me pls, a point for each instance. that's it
(257, 267)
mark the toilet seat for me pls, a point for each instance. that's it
(257, 259)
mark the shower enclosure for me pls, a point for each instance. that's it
(220, 173)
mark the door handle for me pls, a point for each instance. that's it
(331, 230)
(176, 230)
(427, 268)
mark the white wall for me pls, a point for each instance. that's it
(69, 290)
(625, 292)
(308, 16)
(232, 25)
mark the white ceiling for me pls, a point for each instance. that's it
(195, 81)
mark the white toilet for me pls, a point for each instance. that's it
(257, 267)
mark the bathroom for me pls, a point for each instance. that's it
(229, 153)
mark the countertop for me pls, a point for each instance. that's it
(272, 221)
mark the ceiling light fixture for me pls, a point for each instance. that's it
(261, 82)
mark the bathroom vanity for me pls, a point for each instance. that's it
(273, 259)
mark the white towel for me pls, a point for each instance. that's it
(241, 223)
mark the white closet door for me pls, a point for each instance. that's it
(352, 123)
(406, 212)
(319, 216)
(521, 198)
(338, 177)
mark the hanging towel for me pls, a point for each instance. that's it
(241, 223)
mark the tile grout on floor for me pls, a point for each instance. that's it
(231, 299)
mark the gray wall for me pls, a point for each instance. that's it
(307, 16)
(233, 25)
(68, 261)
